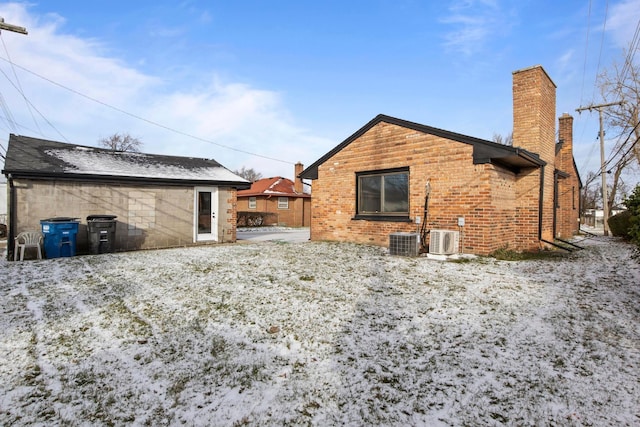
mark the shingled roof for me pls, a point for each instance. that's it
(484, 151)
(43, 159)
(274, 186)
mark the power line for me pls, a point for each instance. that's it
(633, 46)
(604, 27)
(151, 122)
(38, 111)
(586, 51)
(20, 90)
(620, 147)
(631, 147)
(7, 113)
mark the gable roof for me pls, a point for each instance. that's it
(484, 151)
(274, 186)
(43, 159)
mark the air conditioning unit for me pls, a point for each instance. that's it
(443, 242)
(405, 244)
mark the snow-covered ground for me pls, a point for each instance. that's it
(323, 334)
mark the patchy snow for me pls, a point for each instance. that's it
(320, 333)
(84, 160)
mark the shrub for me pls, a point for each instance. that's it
(619, 224)
(633, 206)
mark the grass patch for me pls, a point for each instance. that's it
(506, 254)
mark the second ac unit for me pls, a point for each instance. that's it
(443, 242)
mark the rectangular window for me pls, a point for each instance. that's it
(252, 202)
(283, 203)
(383, 193)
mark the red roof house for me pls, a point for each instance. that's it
(275, 201)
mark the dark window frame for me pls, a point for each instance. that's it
(382, 216)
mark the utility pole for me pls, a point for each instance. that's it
(603, 172)
(14, 28)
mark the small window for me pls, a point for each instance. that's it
(252, 202)
(283, 203)
(383, 193)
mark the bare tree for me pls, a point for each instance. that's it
(504, 140)
(121, 142)
(248, 173)
(590, 193)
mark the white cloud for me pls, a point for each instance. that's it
(623, 21)
(223, 113)
(474, 22)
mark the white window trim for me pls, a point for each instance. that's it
(283, 204)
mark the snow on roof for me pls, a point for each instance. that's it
(83, 160)
(27, 156)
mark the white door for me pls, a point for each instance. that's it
(206, 207)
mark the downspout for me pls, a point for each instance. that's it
(12, 218)
(555, 202)
(541, 202)
(540, 208)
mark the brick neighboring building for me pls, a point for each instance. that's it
(521, 196)
(275, 201)
(160, 201)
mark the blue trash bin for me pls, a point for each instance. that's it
(59, 236)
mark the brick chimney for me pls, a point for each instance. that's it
(565, 135)
(534, 128)
(534, 112)
(297, 182)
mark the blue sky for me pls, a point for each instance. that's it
(289, 80)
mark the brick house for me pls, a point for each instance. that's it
(376, 182)
(160, 201)
(275, 201)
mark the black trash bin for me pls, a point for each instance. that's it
(101, 233)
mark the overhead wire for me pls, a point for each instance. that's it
(38, 111)
(605, 166)
(151, 122)
(633, 47)
(584, 77)
(19, 85)
(620, 147)
(604, 28)
(586, 51)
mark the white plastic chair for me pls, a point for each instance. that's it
(27, 239)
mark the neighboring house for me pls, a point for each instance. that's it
(160, 201)
(495, 196)
(275, 201)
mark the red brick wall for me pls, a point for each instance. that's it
(482, 194)
(568, 206)
(534, 107)
(500, 208)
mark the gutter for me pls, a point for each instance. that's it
(121, 179)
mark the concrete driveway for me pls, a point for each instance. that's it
(281, 234)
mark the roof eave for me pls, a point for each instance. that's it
(240, 185)
(484, 151)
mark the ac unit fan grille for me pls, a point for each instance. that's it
(404, 244)
(443, 242)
